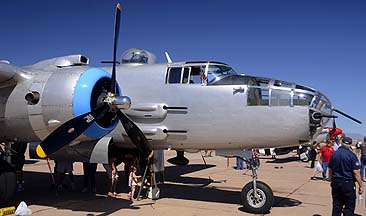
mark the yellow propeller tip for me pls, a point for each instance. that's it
(151, 154)
(119, 6)
(40, 152)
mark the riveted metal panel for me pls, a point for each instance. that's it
(17, 125)
(36, 119)
(58, 94)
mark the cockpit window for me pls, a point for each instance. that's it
(197, 74)
(177, 75)
(185, 78)
(216, 71)
(280, 97)
(302, 99)
(174, 75)
(202, 73)
(258, 92)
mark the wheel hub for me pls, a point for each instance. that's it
(256, 202)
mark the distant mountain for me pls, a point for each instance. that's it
(355, 136)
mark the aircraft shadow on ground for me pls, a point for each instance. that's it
(203, 193)
(39, 191)
(211, 194)
(283, 160)
(175, 174)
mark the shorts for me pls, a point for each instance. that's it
(64, 166)
(108, 169)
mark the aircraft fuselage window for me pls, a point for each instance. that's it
(280, 97)
(258, 96)
(302, 99)
(174, 75)
(258, 92)
(196, 71)
(185, 76)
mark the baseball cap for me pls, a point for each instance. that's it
(347, 141)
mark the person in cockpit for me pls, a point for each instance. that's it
(203, 76)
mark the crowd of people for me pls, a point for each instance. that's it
(64, 168)
(343, 164)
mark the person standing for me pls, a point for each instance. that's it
(89, 176)
(312, 154)
(344, 170)
(239, 163)
(336, 143)
(363, 158)
(325, 153)
(63, 167)
(112, 172)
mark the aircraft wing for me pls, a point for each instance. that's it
(11, 74)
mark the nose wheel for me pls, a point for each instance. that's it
(261, 201)
(256, 196)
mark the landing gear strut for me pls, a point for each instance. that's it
(256, 196)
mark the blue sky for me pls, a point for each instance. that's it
(321, 44)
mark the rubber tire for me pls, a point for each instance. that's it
(267, 191)
(8, 187)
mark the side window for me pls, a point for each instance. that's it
(174, 75)
(280, 97)
(257, 96)
(258, 92)
(196, 77)
(185, 78)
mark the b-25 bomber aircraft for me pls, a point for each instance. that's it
(67, 109)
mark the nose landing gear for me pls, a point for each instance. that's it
(256, 196)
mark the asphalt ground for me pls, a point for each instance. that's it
(189, 190)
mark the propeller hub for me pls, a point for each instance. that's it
(117, 102)
(122, 102)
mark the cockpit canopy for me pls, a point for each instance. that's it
(260, 91)
(199, 73)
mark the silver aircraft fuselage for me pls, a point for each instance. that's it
(244, 112)
(181, 105)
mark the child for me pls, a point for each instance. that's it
(133, 182)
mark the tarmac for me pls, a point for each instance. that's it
(188, 190)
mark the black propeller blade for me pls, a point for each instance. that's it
(346, 115)
(135, 134)
(69, 131)
(116, 34)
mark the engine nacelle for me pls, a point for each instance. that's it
(65, 94)
(45, 95)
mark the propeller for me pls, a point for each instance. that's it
(115, 43)
(346, 115)
(334, 131)
(110, 104)
(69, 131)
